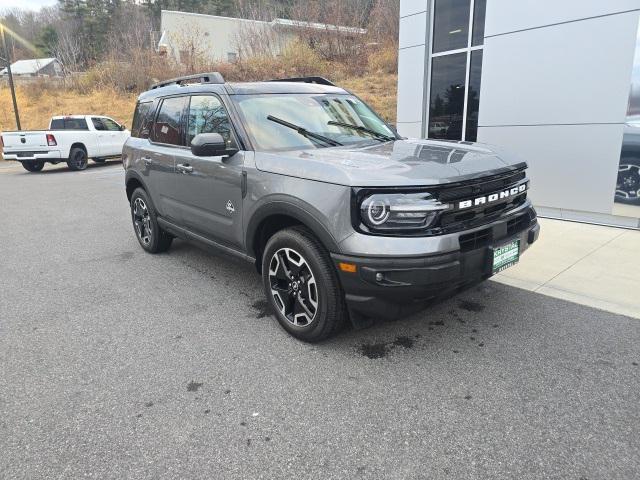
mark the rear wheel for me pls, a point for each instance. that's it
(33, 165)
(145, 224)
(77, 159)
(302, 286)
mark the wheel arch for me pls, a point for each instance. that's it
(78, 145)
(133, 181)
(277, 215)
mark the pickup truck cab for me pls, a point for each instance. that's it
(72, 139)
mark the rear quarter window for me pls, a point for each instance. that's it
(142, 118)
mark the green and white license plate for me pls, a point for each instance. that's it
(506, 256)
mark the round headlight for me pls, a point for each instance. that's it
(384, 212)
(378, 212)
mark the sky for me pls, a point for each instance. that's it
(30, 4)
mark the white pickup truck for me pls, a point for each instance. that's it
(72, 139)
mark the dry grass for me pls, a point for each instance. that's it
(38, 105)
(379, 91)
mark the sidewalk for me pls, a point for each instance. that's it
(586, 264)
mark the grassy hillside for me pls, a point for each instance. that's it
(37, 104)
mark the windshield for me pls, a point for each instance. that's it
(316, 116)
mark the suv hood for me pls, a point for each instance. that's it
(398, 163)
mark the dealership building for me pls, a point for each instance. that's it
(554, 82)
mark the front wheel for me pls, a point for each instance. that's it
(77, 159)
(33, 165)
(302, 286)
(145, 224)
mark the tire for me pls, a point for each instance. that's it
(311, 307)
(77, 159)
(33, 165)
(145, 224)
(628, 184)
(99, 160)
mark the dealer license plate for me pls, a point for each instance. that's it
(506, 256)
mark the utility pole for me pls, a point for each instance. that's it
(7, 59)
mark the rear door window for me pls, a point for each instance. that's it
(167, 128)
(69, 124)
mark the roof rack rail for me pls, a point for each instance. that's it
(318, 80)
(213, 77)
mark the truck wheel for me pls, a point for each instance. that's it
(33, 165)
(77, 159)
(302, 286)
(145, 224)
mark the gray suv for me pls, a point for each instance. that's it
(344, 219)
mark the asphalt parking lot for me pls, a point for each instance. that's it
(118, 364)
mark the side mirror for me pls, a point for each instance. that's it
(123, 127)
(210, 145)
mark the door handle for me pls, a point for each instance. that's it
(184, 168)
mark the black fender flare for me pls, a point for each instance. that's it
(133, 175)
(288, 206)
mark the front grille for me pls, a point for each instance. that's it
(481, 187)
(472, 241)
(456, 220)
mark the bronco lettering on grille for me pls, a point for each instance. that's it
(494, 197)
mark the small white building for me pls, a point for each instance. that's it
(37, 67)
(227, 39)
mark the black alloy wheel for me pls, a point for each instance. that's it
(77, 159)
(33, 165)
(293, 287)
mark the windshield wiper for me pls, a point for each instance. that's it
(304, 132)
(373, 133)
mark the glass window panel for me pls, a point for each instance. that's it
(110, 125)
(208, 115)
(447, 96)
(168, 126)
(451, 25)
(473, 105)
(97, 124)
(479, 10)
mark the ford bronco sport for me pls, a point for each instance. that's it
(344, 219)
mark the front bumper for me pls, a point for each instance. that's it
(389, 287)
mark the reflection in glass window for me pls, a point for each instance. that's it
(208, 115)
(447, 96)
(479, 10)
(473, 100)
(315, 113)
(167, 128)
(451, 25)
(141, 119)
